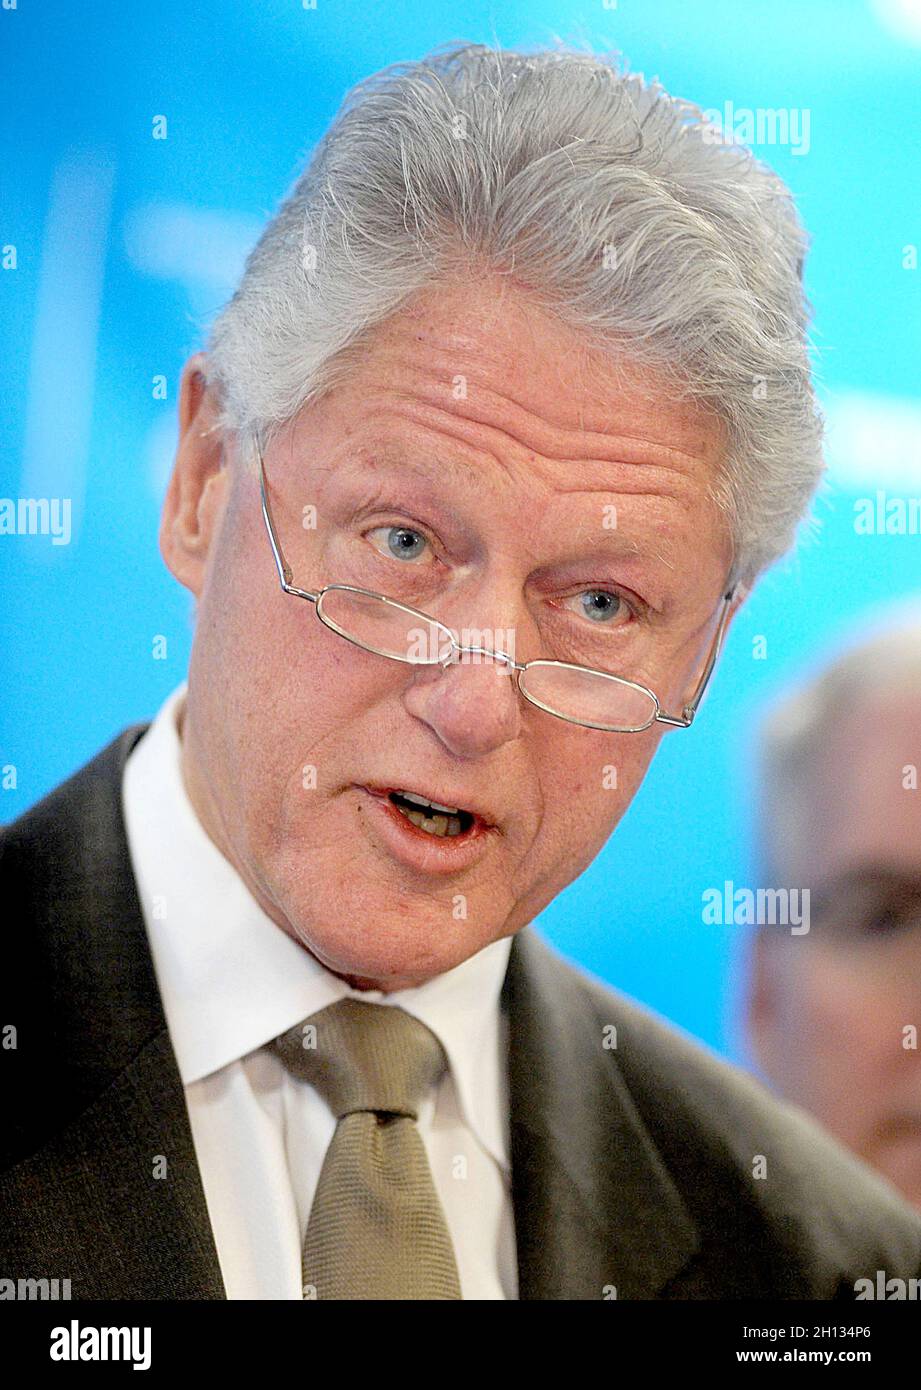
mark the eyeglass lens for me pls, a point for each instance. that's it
(391, 630)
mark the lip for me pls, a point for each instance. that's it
(417, 849)
(444, 799)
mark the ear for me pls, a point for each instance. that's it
(740, 594)
(192, 507)
(690, 682)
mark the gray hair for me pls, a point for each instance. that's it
(798, 728)
(616, 206)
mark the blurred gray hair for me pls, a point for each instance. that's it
(545, 166)
(799, 726)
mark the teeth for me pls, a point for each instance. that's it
(421, 801)
(442, 826)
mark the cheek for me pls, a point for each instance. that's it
(839, 1021)
(588, 780)
(851, 1005)
(826, 1003)
(271, 685)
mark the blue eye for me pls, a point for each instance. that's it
(600, 605)
(403, 542)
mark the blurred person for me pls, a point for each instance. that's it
(834, 1014)
(284, 1029)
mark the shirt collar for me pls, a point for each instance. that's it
(231, 979)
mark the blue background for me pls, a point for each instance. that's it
(127, 246)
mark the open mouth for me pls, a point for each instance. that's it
(446, 822)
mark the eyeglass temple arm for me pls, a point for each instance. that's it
(281, 564)
(686, 718)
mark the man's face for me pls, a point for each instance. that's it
(831, 1012)
(482, 465)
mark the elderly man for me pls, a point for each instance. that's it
(834, 1014)
(509, 410)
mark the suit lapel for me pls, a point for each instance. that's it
(595, 1208)
(124, 1170)
(115, 1155)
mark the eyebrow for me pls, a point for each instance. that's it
(427, 472)
(883, 879)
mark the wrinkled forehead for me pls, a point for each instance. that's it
(491, 354)
(495, 411)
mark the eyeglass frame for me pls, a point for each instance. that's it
(682, 721)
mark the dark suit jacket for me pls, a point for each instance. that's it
(632, 1167)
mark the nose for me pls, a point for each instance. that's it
(473, 705)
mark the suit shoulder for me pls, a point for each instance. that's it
(40, 829)
(731, 1144)
(77, 958)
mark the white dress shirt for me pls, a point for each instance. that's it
(231, 980)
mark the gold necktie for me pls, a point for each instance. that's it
(376, 1228)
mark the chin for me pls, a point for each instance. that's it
(388, 956)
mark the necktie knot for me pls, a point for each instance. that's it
(363, 1056)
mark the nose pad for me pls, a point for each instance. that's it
(436, 671)
(477, 656)
(464, 708)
